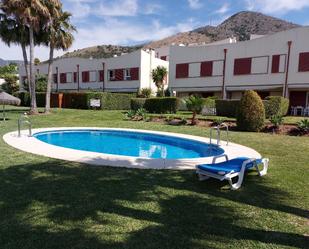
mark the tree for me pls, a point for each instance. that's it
(37, 61)
(9, 74)
(251, 112)
(58, 36)
(195, 105)
(12, 31)
(159, 77)
(32, 14)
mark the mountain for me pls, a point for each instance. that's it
(7, 62)
(240, 25)
(103, 51)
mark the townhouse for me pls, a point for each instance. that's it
(276, 64)
(126, 73)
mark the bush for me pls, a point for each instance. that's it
(276, 105)
(251, 112)
(227, 108)
(75, 100)
(25, 98)
(276, 120)
(111, 101)
(303, 125)
(137, 103)
(161, 105)
(144, 93)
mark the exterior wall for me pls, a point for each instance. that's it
(259, 52)
(163, 53)
(138, 60)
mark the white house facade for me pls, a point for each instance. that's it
(276, 64)
(126, 73)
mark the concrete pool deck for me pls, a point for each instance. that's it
(35, 146)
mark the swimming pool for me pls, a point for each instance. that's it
(121, 147)
(128, 143)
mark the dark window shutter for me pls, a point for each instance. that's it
(85, 76)
(75, 77)
(119, 74)
(275, 64)
(182, 70)
(163, 58)
(242, 66)
(63, 78)
(206, 68)
(303, 65)
(134, 73)
(101, 75)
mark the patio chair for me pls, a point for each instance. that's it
(229, 169)
(306, 111)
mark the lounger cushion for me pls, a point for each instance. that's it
(224, 168)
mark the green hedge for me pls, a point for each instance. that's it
(137, 103)
(227, 108)
(276, 105)
(161, 105)
(109, 101)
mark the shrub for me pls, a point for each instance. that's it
(75, 100)
(111, 101)
(251, 112)
(276, 120)
(161, 105)
(276, 105)
(227, 108)
(137, 103)
(144, 93)
(137, 115)
(25, 98)
(303, 125)
(194, 104)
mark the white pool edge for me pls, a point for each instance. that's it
(37, 147)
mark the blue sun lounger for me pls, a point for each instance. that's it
(229, 169)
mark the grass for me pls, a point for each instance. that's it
(47, 203)
(186, 114)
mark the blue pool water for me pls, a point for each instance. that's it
(128, 143)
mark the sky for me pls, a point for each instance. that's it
(130, 22)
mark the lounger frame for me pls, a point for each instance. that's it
(204, 175)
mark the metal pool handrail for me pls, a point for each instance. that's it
(217, 128)
(24, 119)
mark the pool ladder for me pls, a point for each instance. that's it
(218, 129)
(24, 119)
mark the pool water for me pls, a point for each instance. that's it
(128, 143)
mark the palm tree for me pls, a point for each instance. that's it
(11, 31)
(59, 36)
(194, 104)
(33, 14)
(159, 76)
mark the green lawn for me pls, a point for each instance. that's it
(186, 114)
(47, 203)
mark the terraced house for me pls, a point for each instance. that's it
(276, 64)
(125, 73)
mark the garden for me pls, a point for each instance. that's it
(48, 203)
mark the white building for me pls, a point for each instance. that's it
(276, 64)
(126, 73)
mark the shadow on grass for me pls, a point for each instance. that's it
(53, 205)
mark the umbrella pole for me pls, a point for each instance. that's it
(3, 112)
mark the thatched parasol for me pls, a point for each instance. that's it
(7, 99)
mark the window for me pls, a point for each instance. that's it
(134, 73)
(206, 69)
(303, 65)
(242, 66)
(119, 74)
(92, 76)
(55, 78)
(127, 74)
(63, 78)
(75, 77)
(101, 75)
(182, 70)
(111, 75)
(85, 76)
